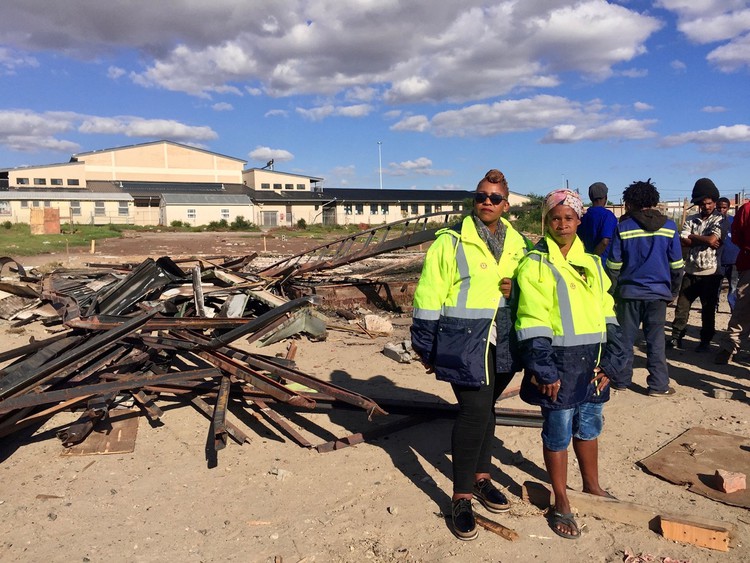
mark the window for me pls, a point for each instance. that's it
(414, 209)
(24, 203)
(427, 208)
(384, 209)
(288, 186)
(75, 208)
(438, 207)
(456, 207)
(359, 209)
(373, 209)
(99, 209)
(4, 208)
(265, 186)
(35, 203)
(300, 186)
(22, 181)
(56, 181)
(40, 181)
(347, 210)
(122, 208)
(46, 203)
(225, 214)
(404, 208)
(191, 214)
(73, 182)
(277, 186)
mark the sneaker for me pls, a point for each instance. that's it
(703, 347)
(723, 357)
(464, 525)
(492, 499)
(619, 387)
(674, 342)
(666, 392)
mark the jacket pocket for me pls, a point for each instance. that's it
(459, 351)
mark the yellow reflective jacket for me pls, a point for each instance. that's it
(458, 298)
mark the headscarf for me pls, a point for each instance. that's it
(561, 197)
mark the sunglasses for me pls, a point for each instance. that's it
(495, 199)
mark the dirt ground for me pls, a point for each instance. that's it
(272, 500)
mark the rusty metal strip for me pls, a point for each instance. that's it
(234, 432)
(17, 380)
(371, 434)
(219, 419)
(36, 399)
(277, 419)
(153, 412)
(107, 322)
(365, 244)
(31, 347)
(265, 384)
(22, 418)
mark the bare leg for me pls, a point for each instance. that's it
(557, 468)
(587, 452)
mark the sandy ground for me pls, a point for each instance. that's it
(272, 500)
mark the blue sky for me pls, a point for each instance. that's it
(550, 92)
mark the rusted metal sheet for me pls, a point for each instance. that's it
(388, 296)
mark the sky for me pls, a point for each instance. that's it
(408, 94)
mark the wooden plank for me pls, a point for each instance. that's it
(119, 438)
(503, 531)
(700, 535)
(540, 494)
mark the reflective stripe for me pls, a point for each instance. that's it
(614, 265)
(534, 332)
(425, 314)
(566, 314)
(611, 321)
(465, 313)
(578, 339)
(463, 273)
(669, 233)
(676, 265)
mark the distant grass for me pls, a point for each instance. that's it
(18, 240)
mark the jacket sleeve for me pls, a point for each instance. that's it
(613, 355)
(432, 290)
(676, 264)
(614, 259)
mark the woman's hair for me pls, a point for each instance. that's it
(494, 176)
(641, 195)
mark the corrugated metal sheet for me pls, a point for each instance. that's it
(205, 199)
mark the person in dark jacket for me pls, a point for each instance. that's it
(570, 346)
(646, 267)
(462, 329)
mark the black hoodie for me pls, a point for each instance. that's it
(650, 220)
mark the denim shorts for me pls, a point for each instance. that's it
(584, 422)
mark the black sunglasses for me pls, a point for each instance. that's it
(495, 199)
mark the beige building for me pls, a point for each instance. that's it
(202, 209)
(75, 207)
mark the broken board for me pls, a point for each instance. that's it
(693, 458)
(115, 436)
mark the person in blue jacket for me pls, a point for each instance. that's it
(570, 346)
(462, 330)
(646, 267)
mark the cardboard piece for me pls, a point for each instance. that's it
(117, 437)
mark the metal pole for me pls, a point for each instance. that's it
(380, 164)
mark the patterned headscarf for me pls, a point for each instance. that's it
(561, 197)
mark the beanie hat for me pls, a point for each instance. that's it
(702, 189)
(598, 190)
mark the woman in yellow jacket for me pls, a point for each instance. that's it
(570, 344)
(463, 331)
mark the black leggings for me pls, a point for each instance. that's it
(474, 429)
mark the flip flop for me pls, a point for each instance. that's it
(558, 518)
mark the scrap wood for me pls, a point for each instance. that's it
(502, 531)
(541, 495)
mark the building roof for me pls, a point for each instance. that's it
(206, 199)
(278, 173)
(163, 141)
(64, 195)
(35, 166)
(150, 189)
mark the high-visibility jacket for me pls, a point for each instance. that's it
(457, 300)
(566, 325)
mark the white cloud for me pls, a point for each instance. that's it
(739, 133)
(461, 50)
(10, 61)
(276, 113)
(418, 123)
(146, 128)
(265, 154)
(421, 166)
(642, 106)
(222, 106)
(678, 65)
(115, 72)
(713, 109)
(618, 129)
(329, 110)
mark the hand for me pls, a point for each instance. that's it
(601, 378)
(428, 368)
(550, 389)
(505, 286)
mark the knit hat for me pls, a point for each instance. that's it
(704, 188)
(598, 190)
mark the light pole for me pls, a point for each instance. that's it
(380, 163)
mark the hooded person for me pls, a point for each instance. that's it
(570, 347)
(646, 267)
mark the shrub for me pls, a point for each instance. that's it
(7, 225)
(176, 224)
(240, 223)
(301, 224)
